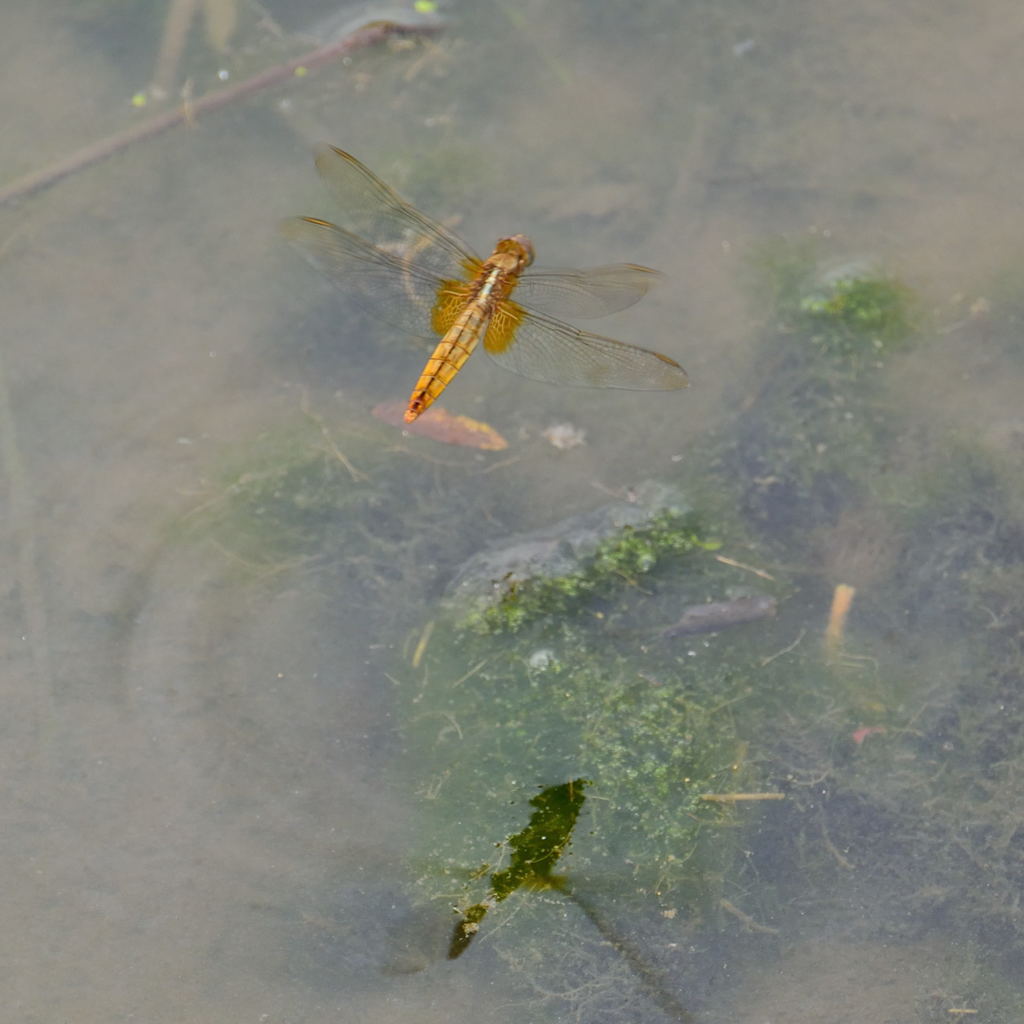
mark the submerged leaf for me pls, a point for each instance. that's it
(443, 426)
(535, 851)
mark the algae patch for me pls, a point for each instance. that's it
(582, 691)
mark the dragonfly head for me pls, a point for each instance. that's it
(518, 246)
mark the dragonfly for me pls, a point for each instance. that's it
(412, 272)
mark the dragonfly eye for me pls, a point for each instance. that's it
(519, 246)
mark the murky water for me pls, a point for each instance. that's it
(213, 805)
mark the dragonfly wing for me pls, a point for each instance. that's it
(545, 349)
(378, 213)
(396, 291)
(592, 292)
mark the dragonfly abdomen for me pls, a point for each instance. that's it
(447, 359)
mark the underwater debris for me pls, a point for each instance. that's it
(564, 436)
(860, 735)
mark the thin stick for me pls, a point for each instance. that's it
(734, 798)
(741, 565)
(785, 650)
(369, 35)
(830, 846)
(746, 920)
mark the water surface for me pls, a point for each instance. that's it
(203, 815)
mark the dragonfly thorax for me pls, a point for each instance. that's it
(519, 247)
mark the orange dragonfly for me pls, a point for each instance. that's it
(417, 275)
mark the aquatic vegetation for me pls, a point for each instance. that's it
(536, 850)
(855, 313)
(818, 430)
(909, 762)
(962, 512)
(891, 745)
(588, 691)
(975, 520)
(562, 697)
(281, 500)
(569, 707)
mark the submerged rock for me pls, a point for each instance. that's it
(713, 616)
(563, 551)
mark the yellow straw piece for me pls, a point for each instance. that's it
(421, 647)
(842, 598)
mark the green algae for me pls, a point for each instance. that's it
(547, 691)
(653, 729)
(819, 428)
(890, 749)
(886, 748)
(857, 315)
(853, 313)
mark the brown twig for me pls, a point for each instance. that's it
(369, 35)
(725, 560)
(735, 798)
(746, 920)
